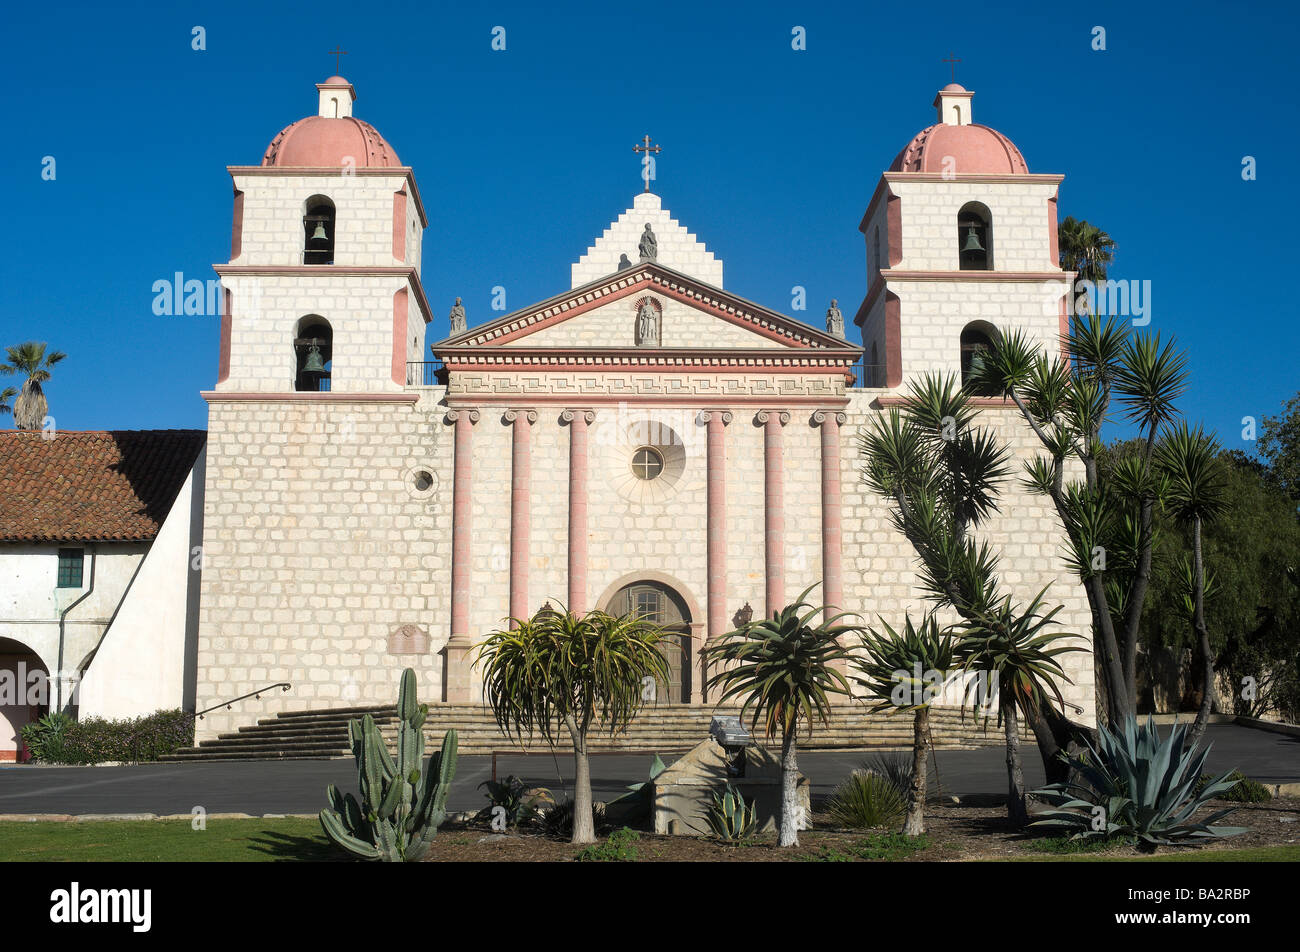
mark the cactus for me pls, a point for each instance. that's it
(730, 819)
(401, 806)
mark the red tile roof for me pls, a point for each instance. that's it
(113, 485)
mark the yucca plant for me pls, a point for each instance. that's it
(1135, 784)
(1014, 651)
(867, 799)
(730, 818)
(906, 672)
(1197, 494)
(785, 669)
(562, 668)
(1108, 515)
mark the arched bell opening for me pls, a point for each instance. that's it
(318, 231)
(975, 237)
(313, 350)
(977, 339)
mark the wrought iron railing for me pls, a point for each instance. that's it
(868, 375)
(426, 373)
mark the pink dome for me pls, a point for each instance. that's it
(976, 150)
(323, 143)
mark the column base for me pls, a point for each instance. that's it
(456, 673)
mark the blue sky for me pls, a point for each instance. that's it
(523, 156)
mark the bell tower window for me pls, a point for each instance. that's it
(318, 231)
(313, 349)
(976, 340)
(975, 237)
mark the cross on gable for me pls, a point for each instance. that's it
(647, 148)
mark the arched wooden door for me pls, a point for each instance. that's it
(660, 604)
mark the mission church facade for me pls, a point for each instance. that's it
(644, 440)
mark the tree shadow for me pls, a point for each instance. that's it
(294, 848)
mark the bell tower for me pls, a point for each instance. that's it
(961, 247)
(322, 290)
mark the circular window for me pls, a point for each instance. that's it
(647, 463)
(422, 480)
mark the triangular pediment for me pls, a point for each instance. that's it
(602, 316)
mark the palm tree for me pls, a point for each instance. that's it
(1086, 250)
(785, 668)
(1196, 495)
(6, 395)
(906, 672)
(561, 668)
(30, 359)
(1014, 651)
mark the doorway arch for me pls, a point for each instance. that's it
(24, 696)
(661, 600)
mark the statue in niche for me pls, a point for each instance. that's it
(647, 324)
(834, 320)
(649, 246)
(457, 318)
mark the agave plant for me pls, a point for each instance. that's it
(730, 818)
(1135, 784)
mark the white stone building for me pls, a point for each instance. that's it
(644, 439)
(99, 587)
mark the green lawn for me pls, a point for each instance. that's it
(232, 840)
(1249, 854)
(298, 839)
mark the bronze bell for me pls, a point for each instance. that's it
(972, 242)
(314, 363)
(319, 234)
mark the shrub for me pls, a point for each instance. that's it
(1135, 784)
(58, 739)
(44, 738)
(1244, 790)
(730, 818)
(879, 846)
(866, 799)
(521, 804)
(619, 848)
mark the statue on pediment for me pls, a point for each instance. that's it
(649, 246)
(834, 320)
(647, 324)
(457, 318)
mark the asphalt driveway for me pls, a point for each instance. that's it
(262, 787)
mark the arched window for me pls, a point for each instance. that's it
(318, 231)
(975, 237)
(976, 339)
(313, 352)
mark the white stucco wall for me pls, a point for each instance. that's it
(140, 665)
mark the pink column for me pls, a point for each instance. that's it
(716, 463)
(832, 513)
(578, 421)
(774, 507)
(521, 475)
(458, 663)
